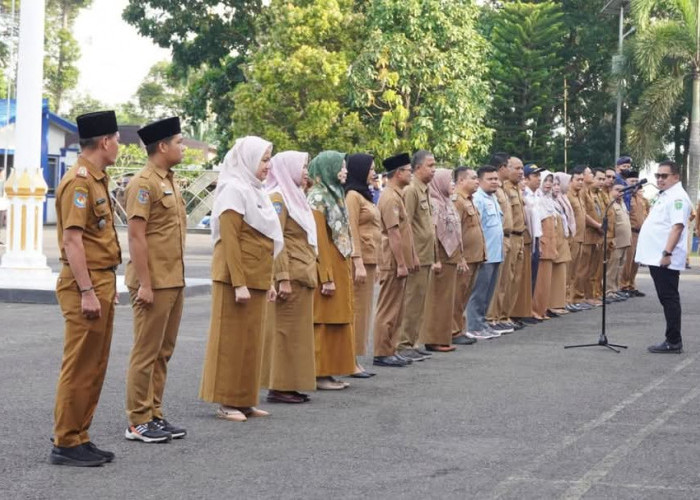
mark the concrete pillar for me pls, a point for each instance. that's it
(24, 264)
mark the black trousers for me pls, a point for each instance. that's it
(666, 283)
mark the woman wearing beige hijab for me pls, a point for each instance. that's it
(289, 364)
(547, 212)
(565, 231)
(247, 236)
(436, 329)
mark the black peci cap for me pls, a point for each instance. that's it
(157, 131)
(97, 124)
(394, 162)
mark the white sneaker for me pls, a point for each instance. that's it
(473, 335)
(492, 334)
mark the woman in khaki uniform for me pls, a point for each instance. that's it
(247, 236)
(289, 365)
(436, 329)
(366, 234)
(547, 213)
(566, 227)
(333, 302)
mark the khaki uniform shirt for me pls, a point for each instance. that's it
(473, 243)
(515, 200)
(83, 202)
(243, 256)
(578, 204)
(297, 260)
(392, 213)
(365, 229)
(593, 209)
(605, 201)
(507, 211)
(152, 195)
(638, 211)
(623, 228)
(417, 202)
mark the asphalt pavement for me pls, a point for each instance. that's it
(517, 417)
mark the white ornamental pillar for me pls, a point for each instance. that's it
(24, 264)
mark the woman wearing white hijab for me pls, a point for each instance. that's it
(547, 212)
(289, 363)
(247, 236)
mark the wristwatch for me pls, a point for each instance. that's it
(666, 254)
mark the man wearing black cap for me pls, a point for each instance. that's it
(85, 289)
(396, 258)
(155, 275)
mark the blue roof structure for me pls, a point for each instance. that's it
(53, 117)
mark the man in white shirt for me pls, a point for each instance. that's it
(663, 246)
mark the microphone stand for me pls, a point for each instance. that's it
(603, 339)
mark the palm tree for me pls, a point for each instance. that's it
(667, 55)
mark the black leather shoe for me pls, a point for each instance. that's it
(391, 361)
(107, 455)
(666, 347)
(75, 456)
(528, 321)
(637, 293)
(463, 340)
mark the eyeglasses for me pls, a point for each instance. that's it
(661, 176)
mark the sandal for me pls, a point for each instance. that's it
(254, 412)
(231, 414)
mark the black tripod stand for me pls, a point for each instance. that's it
(603, 339)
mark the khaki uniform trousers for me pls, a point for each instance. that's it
(155, 332)
(497, 308)
(573, 293)
(463, 290)
(629, 271)
(390, 307)
(591, 258)
(517, 271)
(617, 262)
(598, 273)
(85, 354)
(414, 305)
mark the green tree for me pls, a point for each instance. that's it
(667, 55)
(161, 93)
(297, 79)
(209, 40)
(526, 74)
(62, 51)
(419, 79)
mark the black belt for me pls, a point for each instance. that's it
(517, 233)
(506, 235)
(635, 230)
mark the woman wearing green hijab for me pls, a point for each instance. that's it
(333, 300)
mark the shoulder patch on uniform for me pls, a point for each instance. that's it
(143, 195)
(678, 204)
(278, 207)
(82, 172)
(80, 197)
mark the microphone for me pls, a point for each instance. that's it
(634, 187)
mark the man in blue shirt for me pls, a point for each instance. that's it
(492, 226)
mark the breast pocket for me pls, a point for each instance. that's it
(103, 216)
(168, 201)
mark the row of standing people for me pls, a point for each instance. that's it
(295, 259)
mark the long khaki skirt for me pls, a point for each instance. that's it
(291, 355)
(557, 293)
(540, 299)
(335, 349)
(364, 304)
(232, 361)
(436, 327)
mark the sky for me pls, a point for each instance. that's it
(114, 58)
